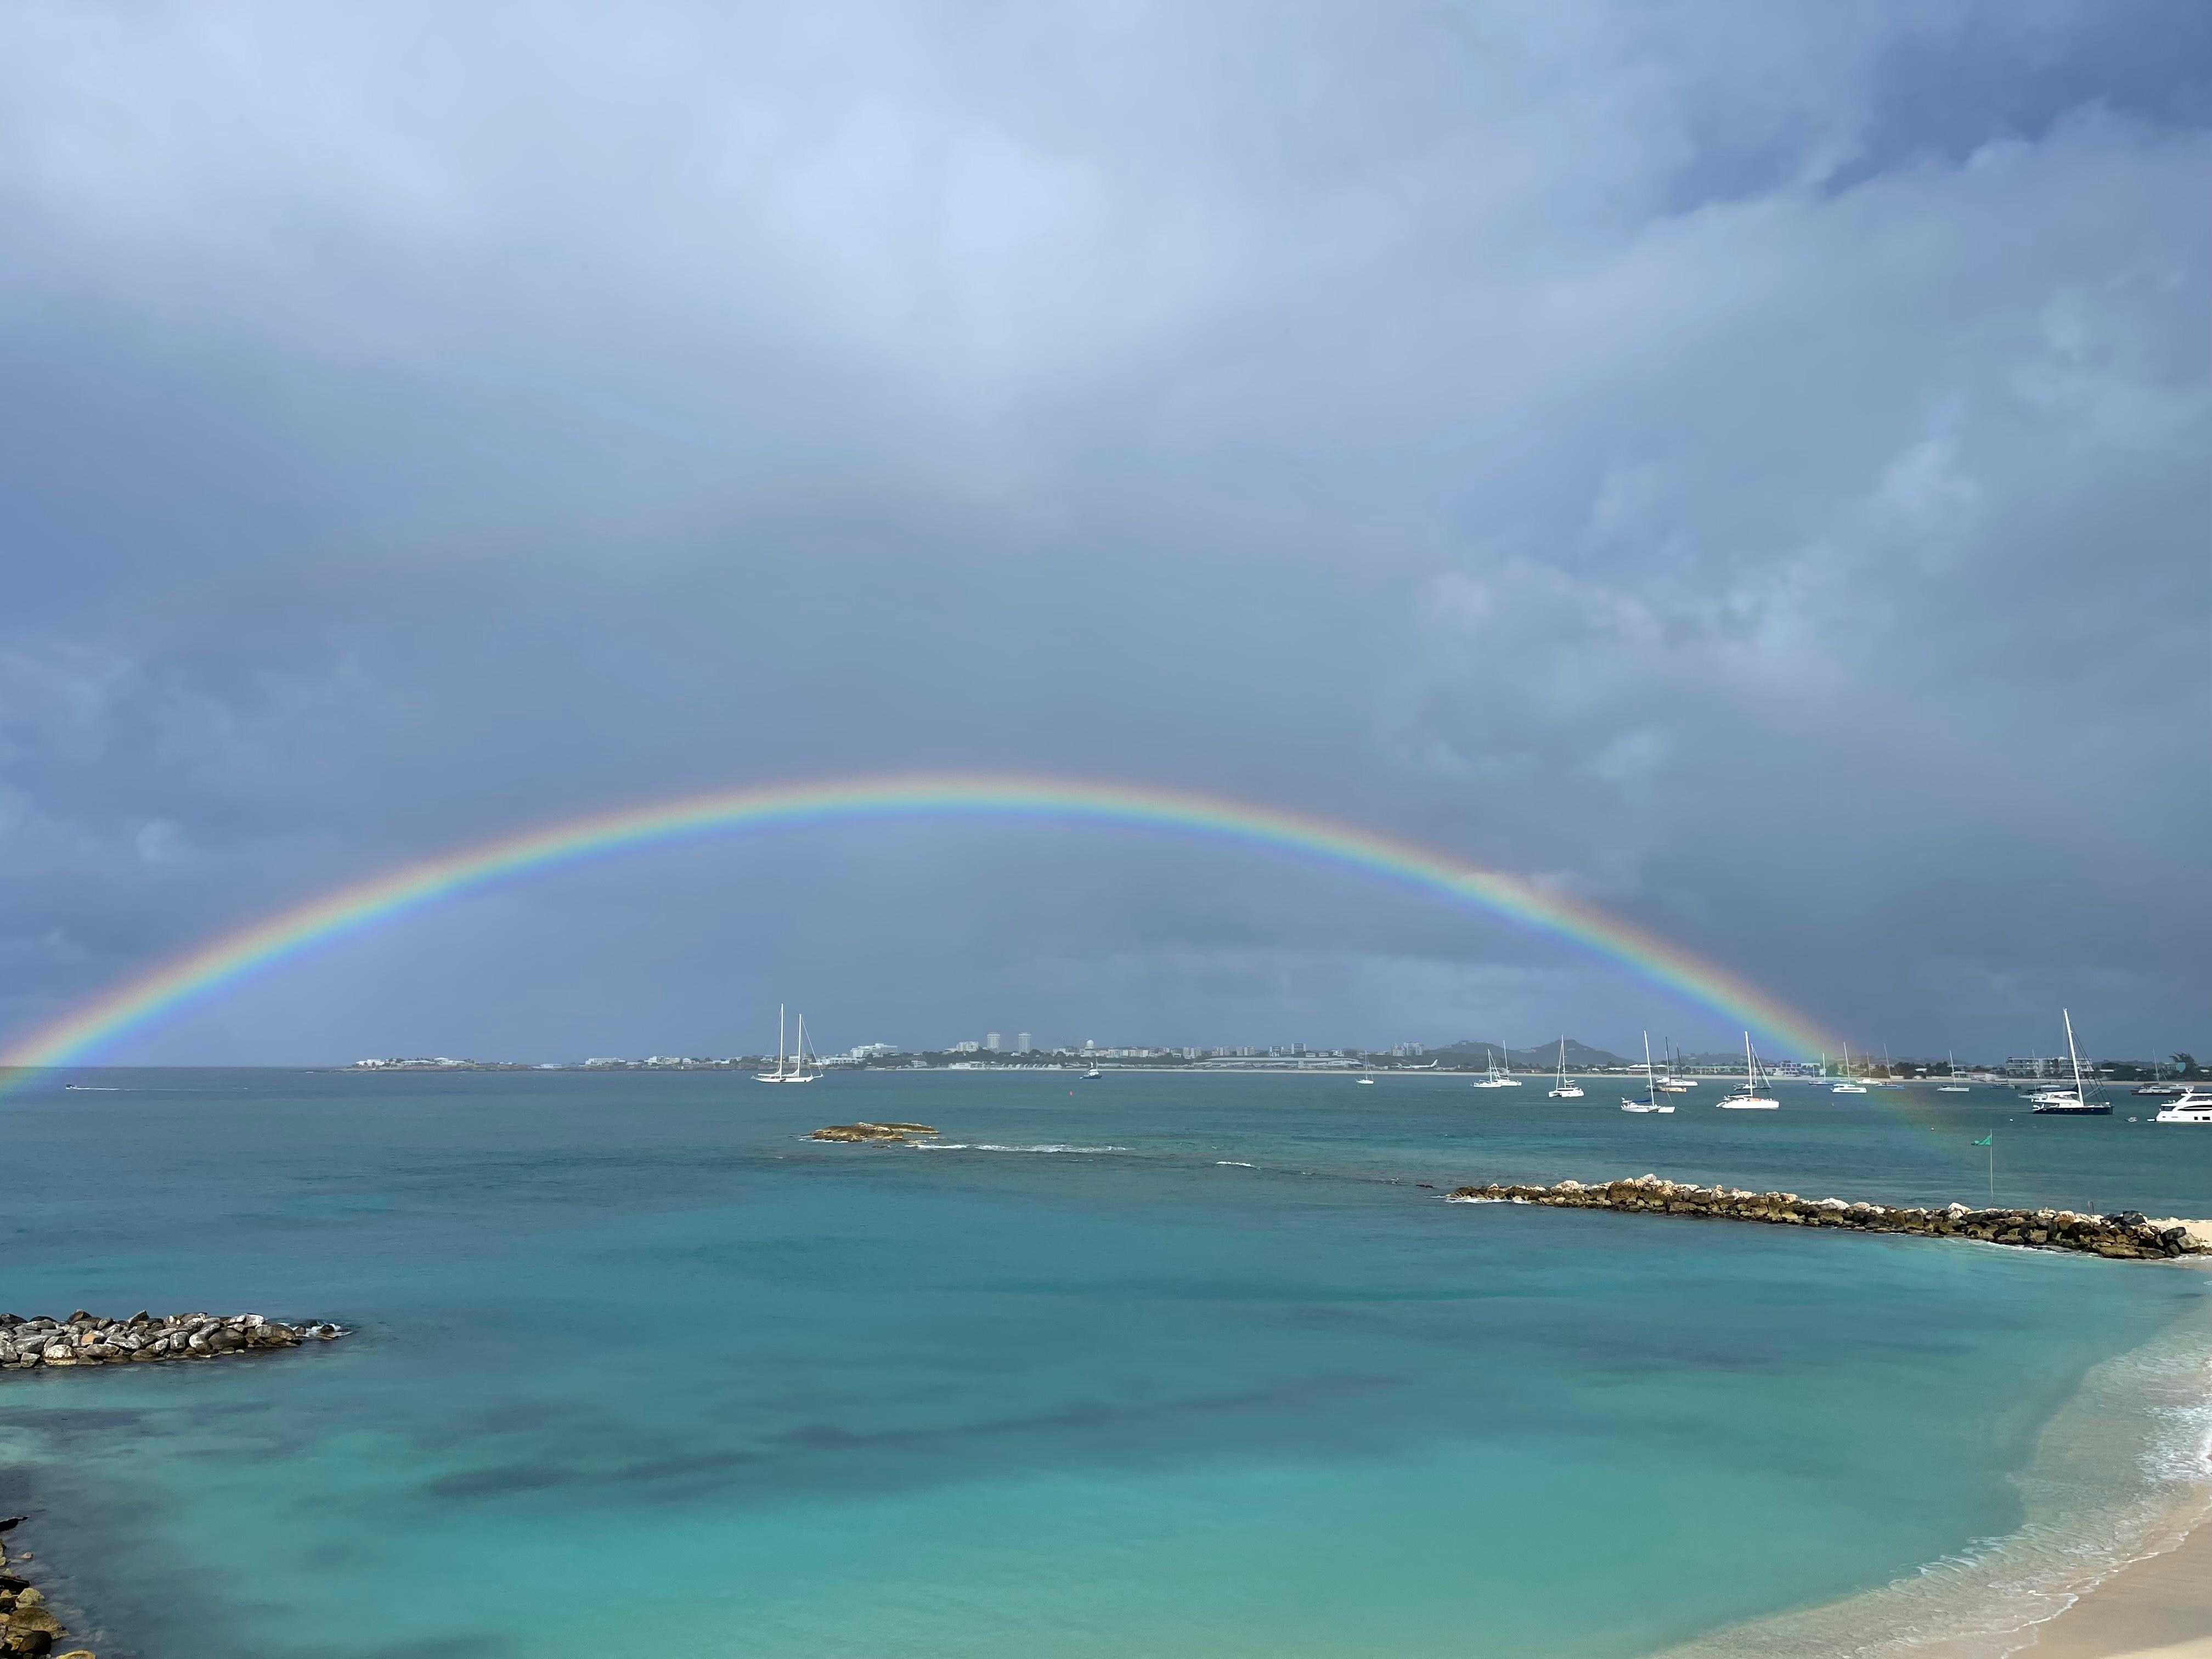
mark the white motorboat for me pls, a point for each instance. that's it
(1492, 1077)
(1650, 1100)
(1368, 1081)
(1562, 1089)
(2190, 1106)
(1749, 1097)
(2076, 1102)
(796, 1068)
(1092, 1074)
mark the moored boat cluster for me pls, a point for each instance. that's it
(2126, 1235)
(85, 1339)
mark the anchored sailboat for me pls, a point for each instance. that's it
(1749, 1097)
(1492, 1077)
(795, 1070)
(2077, 1101)
(1563, 1090)
(1650, 1100)
(1847, 1087)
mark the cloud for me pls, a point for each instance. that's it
(1730, 462)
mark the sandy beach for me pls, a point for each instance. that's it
(2161, 1608)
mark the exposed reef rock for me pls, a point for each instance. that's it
(28, 1624)
(895, 1134)
(84, 1339)
(2126, 1234)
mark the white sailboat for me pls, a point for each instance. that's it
(1954, 1087)
(1847, 1087)
(1749, 1097)
(1494, 1079)
(1563, 1090)
(1650, 1100)
(1669, 1081)
(795, 1069)
(2077, 1101)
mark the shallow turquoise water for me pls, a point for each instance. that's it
(637, 1370)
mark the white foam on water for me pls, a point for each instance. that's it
(988, 1146)
(2121, 1472)
(1231, 1163)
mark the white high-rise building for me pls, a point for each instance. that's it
(1023, 1045)
(991, 1041)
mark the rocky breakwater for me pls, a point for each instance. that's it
(84, 1338)
(28, 1624)
(892, 1135)
(2128, 1235)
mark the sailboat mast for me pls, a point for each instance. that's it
(2070, 1054)
(779, 1039)
(1750, 1083)
(1650, 1092)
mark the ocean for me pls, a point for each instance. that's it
(1158, 1365)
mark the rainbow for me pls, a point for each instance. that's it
(205, 971)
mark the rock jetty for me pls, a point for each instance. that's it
(84, 1338)
(2127, 1234)
(28, 1624)
(888, 1133)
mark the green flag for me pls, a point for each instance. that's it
(1987, 1139)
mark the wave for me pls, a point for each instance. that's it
(2122, 1473)
(1231, 1163)
(988, 1146)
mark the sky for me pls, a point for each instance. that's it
(1744, 465)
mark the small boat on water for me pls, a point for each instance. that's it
(1562, 1089)
(1492, 1077)
(795, 1070)
(1671, 1082)
(2076, 1102)
(1847, 1087)
(1368, 1081)
(2190, 1106)
(1954, 1087)
(1749, 1097)
(1650, 1100)
(2147, 1089)
(1093, 1074)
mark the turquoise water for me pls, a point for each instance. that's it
(639, 1370)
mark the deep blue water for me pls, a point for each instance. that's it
(640, 1370)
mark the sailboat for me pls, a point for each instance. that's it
(1650, 1100)
(1954, 1087)
(1748, 1098)
(795, 1070)
(1669, 1081)
(1492, 1077)
(1847, 1087)
(1563, 1090)
(2076, 1102)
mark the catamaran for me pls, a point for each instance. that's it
(2076, 1102)
(1650, 1100)
(1492, 1077)
(1563, 1090)
(1748, 1098)
(1848, 1087)
(796, 1070)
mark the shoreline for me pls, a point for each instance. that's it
(2112, 1557)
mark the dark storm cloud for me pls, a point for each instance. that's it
(1742, 463)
